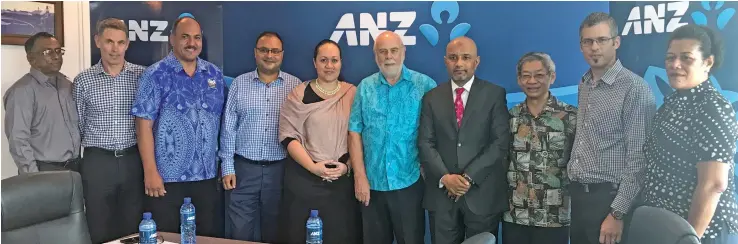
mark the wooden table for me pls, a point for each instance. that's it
(174, 237)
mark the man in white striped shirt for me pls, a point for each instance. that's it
(607, 161)
(112, 173)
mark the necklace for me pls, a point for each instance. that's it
(326, 92)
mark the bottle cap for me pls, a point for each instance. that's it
(187, 200)
(313, 213)
(147, 215)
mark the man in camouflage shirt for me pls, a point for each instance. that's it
(542, 130)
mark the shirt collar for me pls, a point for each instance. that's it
(608, 77)
(39, 76)
(98, 67)
(174, 62)
(277, 82)
(467, 86)
(694, 92)
(550, 105)
(404, 75)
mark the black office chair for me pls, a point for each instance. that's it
(652, 225)
(44, 208)
(481, 238)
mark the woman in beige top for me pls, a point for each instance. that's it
(313, 126)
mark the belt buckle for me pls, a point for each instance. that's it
(586, 187)
(118, 153)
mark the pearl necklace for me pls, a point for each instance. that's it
(326, 92)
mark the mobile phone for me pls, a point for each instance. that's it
(132, 240)
(331, 166)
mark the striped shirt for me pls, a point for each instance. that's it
(251, 119)
(614, 114)
(104, 106)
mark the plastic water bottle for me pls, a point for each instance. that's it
(314, 229)
(187, 222)
(147, 230)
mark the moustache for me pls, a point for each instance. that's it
(193, 47)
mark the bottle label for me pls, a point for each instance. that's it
(315, 235)
(188, 218)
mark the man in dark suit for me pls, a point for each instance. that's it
(463, 143)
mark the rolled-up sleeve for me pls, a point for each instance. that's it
(19, 103)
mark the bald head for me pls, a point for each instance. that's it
(388, 37)
(461, 59)
(389, 53)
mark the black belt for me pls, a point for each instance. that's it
(249, 161)
(592, 187)
(116, 153)
(72, 164)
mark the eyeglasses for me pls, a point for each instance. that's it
(264, 50)
(325, 61)
(600, 41)
(48, 52)
(538, 77)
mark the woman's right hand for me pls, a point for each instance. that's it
(321, 170)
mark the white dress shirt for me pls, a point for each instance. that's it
(464, 98)
(465, 94)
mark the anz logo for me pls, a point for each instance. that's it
(369, 26)
(147, 30)
(372, 27)
(654, 18)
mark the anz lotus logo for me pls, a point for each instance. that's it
(370, 27)
(431, 33)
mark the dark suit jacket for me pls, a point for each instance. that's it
(479, 148)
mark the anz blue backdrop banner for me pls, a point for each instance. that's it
(503, 31)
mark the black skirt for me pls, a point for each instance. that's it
(335, 202)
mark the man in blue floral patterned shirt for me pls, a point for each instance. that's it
(542, 130)
(178, 108)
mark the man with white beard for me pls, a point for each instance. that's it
(382, 143)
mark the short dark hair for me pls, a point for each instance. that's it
(111, 23)
(269, 33)
(31, 42)
(179, 20)
(324, 42)
(710, 41)
(597, 18)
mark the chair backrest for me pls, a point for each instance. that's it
(44, 207)
(481, 238)
(652, 225)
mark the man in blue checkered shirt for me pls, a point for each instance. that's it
(252, 156)
(112, 175)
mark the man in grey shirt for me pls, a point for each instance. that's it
(40, 113)
(607, 162)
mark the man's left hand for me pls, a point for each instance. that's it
(611, 230)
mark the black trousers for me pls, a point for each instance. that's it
(395, 214)
(207, 198)
(522, 234)
(114, 192)
(459, 223)
(590, 205)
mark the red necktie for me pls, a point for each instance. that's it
(459, 106)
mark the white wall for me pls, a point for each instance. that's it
(77, 58)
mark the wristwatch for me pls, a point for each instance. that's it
(617, 214)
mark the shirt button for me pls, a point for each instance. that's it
(459, 144)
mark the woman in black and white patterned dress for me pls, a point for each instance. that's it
(692, 141)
